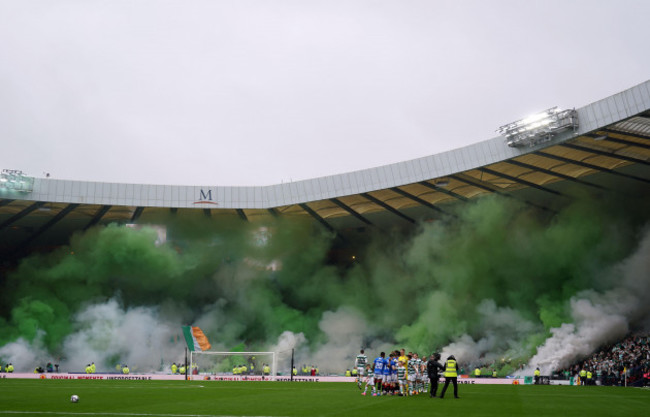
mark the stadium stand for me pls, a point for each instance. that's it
(624, 363)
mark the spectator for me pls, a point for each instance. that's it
(624, 362)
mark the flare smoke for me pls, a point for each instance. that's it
(499, 284)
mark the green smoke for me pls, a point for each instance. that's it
(499, 272)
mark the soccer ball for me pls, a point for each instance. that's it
(74, 399)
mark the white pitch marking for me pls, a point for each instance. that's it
(121, 414)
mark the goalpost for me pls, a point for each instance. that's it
(231, 364)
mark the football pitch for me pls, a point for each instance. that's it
(184, 399)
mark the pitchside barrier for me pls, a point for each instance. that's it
(254, 378)
(130, 377)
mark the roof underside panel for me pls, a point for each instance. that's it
(525, 174)
(555, 165)
(327, 209)
(393, 199)
(639, 125)
(427, 194)
(587, 157)
(494, 180)
(360, 204)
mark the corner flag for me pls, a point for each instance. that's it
(195, 338)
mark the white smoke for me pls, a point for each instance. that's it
(343, 330)
(499, 329)
(106, 335)
(25, 356)
(600, 318)
(109, 336)
(289, 343)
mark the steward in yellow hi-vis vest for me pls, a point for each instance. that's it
(451, 376)
(583, 376)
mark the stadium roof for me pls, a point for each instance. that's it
(608, 150)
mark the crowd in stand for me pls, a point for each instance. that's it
(625, 362)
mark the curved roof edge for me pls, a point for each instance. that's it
(599, 114)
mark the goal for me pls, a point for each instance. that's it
(232, 365)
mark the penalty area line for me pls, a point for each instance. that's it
(67, 413)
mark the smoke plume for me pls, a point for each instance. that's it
(499, 285)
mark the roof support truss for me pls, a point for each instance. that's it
(387, 207)
(136, 214)
(98, 216)
(22, 214)
(316, 216)
(54, 220)
(349, 210)
(242, 215)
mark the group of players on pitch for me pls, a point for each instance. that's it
(405, 374)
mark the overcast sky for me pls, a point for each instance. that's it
(259, 92)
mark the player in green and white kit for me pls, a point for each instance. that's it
(360, 363)
(370, 380)
(401, 378)
(418, 378)
(424, 374)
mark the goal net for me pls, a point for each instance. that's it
(233, 365)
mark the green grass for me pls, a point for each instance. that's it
(178, 398)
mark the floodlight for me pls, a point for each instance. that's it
(13, 179)
(539, 128)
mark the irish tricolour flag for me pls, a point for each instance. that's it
(195, 338)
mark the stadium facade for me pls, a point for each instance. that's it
(606, 149)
